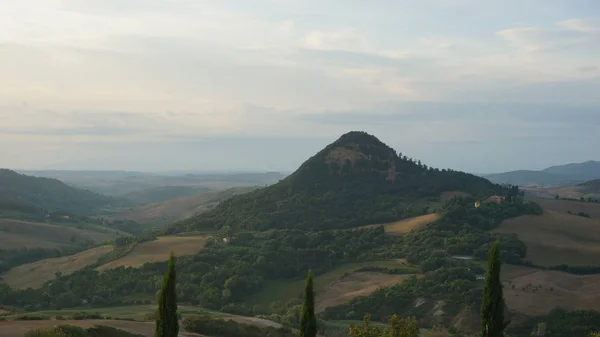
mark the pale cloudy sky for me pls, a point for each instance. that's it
(476, 85)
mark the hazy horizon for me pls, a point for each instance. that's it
(155, 86)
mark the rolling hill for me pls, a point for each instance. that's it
(167, 212)
(557, 238)
(16, 234)
(582, 171)
(121, 183)
(357, 180)
(555, 176)
(51, 194)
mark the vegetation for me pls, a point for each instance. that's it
(308, 321)
(560, 323)
(243, 266)
(167, 322)
(582, 214)
(398, 327)
(492, 305)
(50, 194)
(206, 325)
(72, 331)
(354, 181)
(462, 230)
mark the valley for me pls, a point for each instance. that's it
(383, 234)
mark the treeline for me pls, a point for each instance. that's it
(73, 331)
(580, 199)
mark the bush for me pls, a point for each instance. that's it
(219, 327)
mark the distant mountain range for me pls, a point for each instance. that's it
(555, 176)
(135, 185)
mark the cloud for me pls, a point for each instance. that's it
(98, 73)
(574, 33)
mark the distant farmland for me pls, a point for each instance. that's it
(557, 238)
(593, 209)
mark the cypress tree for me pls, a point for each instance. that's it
(492, 304)
(308, 321)
(167, 323)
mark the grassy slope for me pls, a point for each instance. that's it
(283, 290)
(536, 292)
(33, 275)
(557, 238)
(159, 250)
(405, 226)
(15, 234)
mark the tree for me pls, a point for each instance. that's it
(492, 304)
(167, 324)
(308, 321)
(398, 327)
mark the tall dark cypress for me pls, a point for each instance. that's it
(492, 304)
(167, 324)
(308, 321)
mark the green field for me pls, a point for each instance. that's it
(282, 290)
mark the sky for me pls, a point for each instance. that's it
(256, 85)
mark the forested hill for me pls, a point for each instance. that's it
(49, 194)
(357, 180)
(592, 184)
